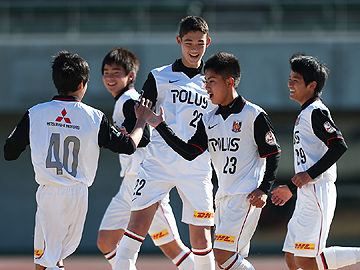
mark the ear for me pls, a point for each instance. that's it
(230, 82)
(80, 86)
(131, 77)
(208, 42)
(178, 39)
(311, 86)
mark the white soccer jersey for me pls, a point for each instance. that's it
(129, 163)
(308, 147)
(234, 151)
(183, 99)
(64, 159)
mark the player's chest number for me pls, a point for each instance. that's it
(53, 154)
(197, 115)
(230, 165)
(300, 156)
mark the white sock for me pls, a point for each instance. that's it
(110, 257)
(337, 257)
(127, 251)
(236, 262)
(185, 260)
(204, 259)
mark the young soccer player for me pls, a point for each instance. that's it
(245, 154)
(178, 88)
(318, 144)
(65, 137)
(119, 69)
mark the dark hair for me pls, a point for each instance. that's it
(311, 69)
(122, 57)
(68, 71)
(226, 65)
(193, 23)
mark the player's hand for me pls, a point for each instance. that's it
(156, 119)
(281, 195)
(300, 179)
(143, 109)
(123, 130)
(257, 198)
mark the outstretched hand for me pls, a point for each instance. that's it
(281, 195)
(143, 109)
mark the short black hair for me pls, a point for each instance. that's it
(226, 65)
(68, 71)
(122, 57)
(311, 69)
(193, 23)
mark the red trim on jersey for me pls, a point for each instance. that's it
(162, 210)
(197, 147)
(242, 227)
(321, 227)
(332, 139)
(270, 154)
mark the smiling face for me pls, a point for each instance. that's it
(115, 78)
(193, 46)
(220, 92)
(298, 90)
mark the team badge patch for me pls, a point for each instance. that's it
(225, 238)
(236, 126)
(304, 246)
(328, 127)
(270, 138)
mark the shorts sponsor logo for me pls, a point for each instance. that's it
(159, 235)
(304, 246)
(38, 253)
(203, 215)
(225, 238)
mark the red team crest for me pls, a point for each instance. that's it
(328, 127)
(60, 118)
(270, 138)
(236, 126)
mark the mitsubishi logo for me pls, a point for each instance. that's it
(60, 118)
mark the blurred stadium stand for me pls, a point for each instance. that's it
(263, 34)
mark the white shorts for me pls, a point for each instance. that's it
(163, 229)
(161, 172)
(235, 223)
(59, 222)
(309, 226)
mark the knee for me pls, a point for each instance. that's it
(290, 261)
(306, 263)
(221, 256)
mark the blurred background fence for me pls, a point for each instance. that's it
(263, 34)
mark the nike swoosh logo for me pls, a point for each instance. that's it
(210, 127)
(170, 81)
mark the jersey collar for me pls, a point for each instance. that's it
(309, 101)
(235, 106)
(178, 66)
(66, 98)
(129, 86)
